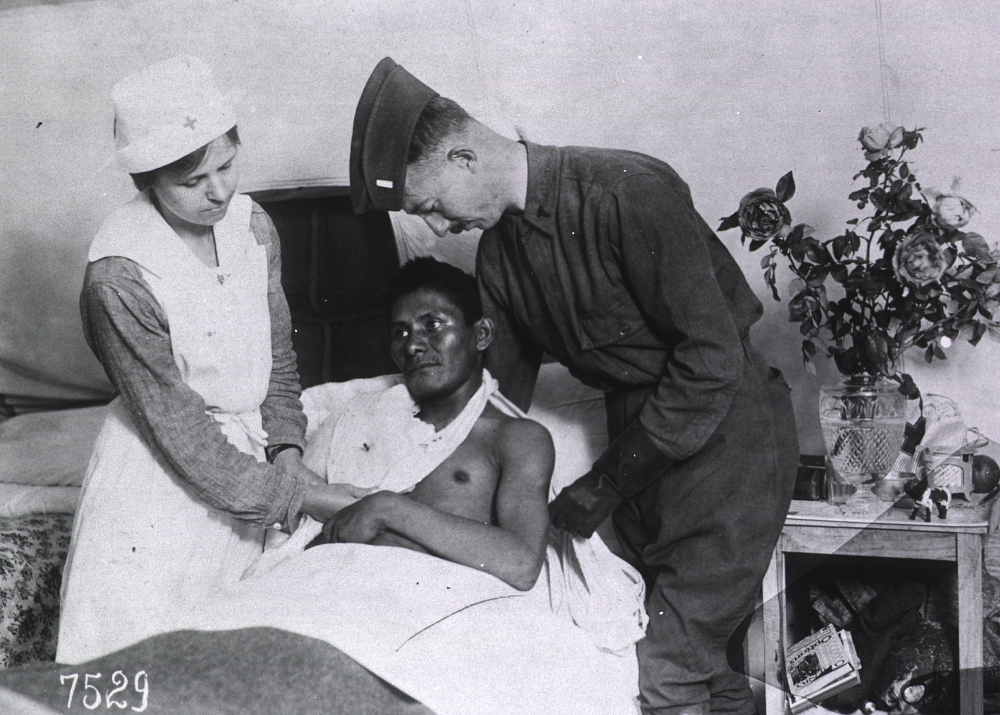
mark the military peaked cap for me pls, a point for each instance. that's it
(387, 112)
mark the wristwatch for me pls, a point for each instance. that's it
(272, 451)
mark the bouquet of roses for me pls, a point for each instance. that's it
(903, 274)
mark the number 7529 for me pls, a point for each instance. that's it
(114, 698)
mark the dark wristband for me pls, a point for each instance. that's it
(274, 450)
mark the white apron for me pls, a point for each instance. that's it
(143, 548)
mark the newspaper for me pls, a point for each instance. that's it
(820, 666)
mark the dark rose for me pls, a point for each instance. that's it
(763, 217)
(920, 259)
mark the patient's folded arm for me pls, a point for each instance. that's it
(391, 538)
(323, 502)
(386, 538)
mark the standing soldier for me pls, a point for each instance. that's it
(598, 258)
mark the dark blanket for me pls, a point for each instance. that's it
(253, 671)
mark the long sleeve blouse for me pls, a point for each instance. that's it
(127, 329)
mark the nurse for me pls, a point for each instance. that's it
(182, 304)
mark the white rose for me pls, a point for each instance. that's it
(952, 212)
(878, 140)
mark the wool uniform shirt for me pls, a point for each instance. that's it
(127, 329)
(612, 271)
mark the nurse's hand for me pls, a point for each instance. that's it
(290, 462)
(324, 502)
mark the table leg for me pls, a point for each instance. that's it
(755, 647)
(774, 632)
(969, 549)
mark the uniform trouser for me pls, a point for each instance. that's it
(703, 535)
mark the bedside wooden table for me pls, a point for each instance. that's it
(820, 528)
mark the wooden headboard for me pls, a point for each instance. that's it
(335, 269)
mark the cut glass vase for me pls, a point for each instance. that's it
(863, 422)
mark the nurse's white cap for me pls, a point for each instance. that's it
(166, 111)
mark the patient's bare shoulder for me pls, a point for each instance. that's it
(516, 441)
(525, 451)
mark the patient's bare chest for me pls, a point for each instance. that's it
(464, 484)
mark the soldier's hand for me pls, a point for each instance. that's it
(583, 505)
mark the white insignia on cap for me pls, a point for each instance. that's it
(383, 183)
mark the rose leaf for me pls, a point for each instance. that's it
(975, 245)
(785, 188)
(729, 222)
(908, 387)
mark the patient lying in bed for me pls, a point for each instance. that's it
(458, 476)
(485, 505)
(484, 609)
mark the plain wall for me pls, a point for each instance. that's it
(733, 95)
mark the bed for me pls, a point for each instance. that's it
(43, 457)
(335, 268)
(37, 519)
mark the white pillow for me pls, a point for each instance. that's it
(574, 415)
(49, 448)
(17, 500)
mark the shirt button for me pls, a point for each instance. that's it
(276, 526)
